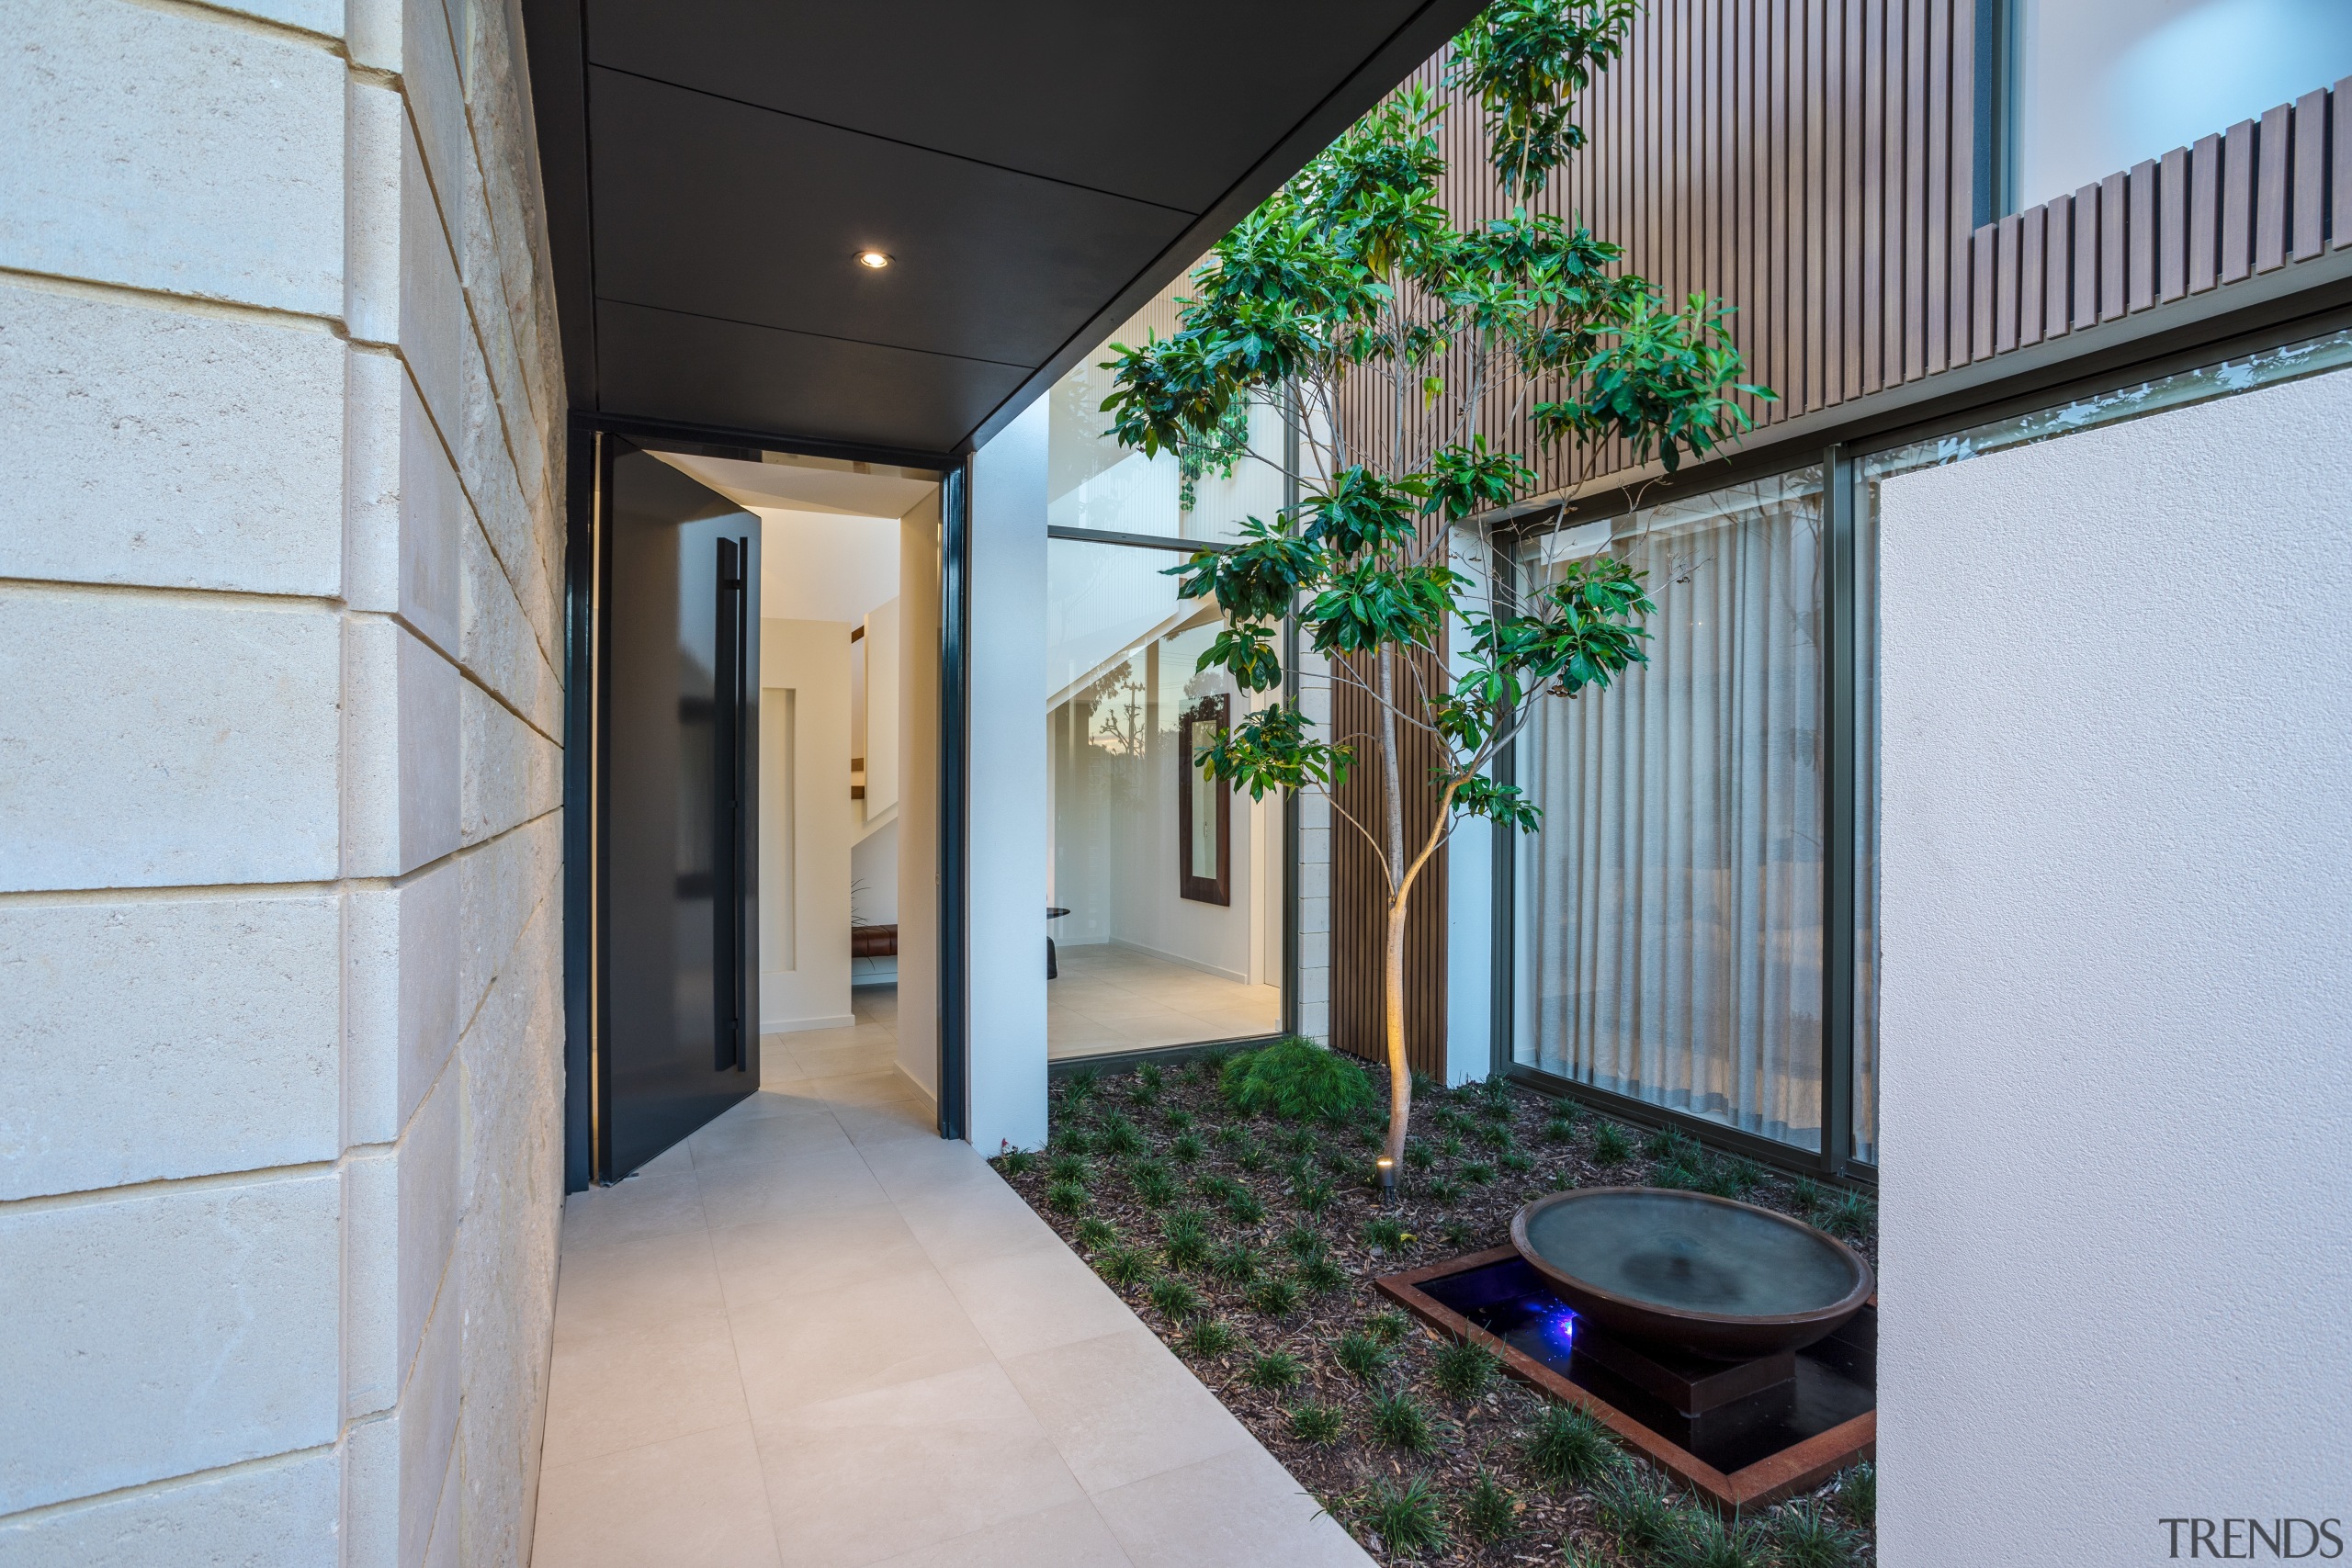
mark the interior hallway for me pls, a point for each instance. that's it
(1112, 998)
(817, 1335)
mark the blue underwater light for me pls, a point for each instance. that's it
(1560, 1330)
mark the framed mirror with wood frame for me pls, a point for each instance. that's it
(1204, 814)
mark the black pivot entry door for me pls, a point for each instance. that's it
(681, 708)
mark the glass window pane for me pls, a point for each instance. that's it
(1095, 483)
(2102, 85)
(1145, 955)
(1670, 910)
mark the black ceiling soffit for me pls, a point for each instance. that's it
(1036, 170)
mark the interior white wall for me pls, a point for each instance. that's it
(874, 872)
(824, 566)
(1007, 781)
(918, 795)
(882, 666)
(2104, 84)
(805, 827)
(2117, 986)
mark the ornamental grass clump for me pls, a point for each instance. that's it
(1067, 1197)
(1244, 1207)
(1806, 1535)
(1407, 1518)
(1702, 1540)
(1121, 1137)
(1184, 1238)
(1237, 1263)
(1176, 1300)
(1093, 1232)
(1278, 1296)
(1316, 1423)
(1320, 1277)
(1464, 1370)
(1362, 1356)
(1568, 1448)
(1560, 1130)
(1125, 1267)
(1858, 1493)
(1275, 1371)
(1388, 1326)
(1851, 1216)
(1489, 1513)
(1295, 1080)
(1610, 1146)
(1403, 1422)
(1186, 1148)
(1631, 1509)
(1069, 1168)
(1209, 1338)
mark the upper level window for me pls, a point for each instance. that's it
(2098, 86)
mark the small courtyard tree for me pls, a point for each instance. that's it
(1355, 273)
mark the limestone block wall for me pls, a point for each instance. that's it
(280, 564)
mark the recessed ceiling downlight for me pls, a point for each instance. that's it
(874, 259)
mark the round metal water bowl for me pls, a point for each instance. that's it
(1684, 1270)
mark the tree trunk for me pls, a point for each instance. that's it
(1392, 976)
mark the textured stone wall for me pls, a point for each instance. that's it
(281, 566)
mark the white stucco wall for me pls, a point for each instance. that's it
(280, 526)
(1008, 793)
(2117, 1002)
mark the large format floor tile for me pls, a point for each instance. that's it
(1111, 999)
(815, 1336)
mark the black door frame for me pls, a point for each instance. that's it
(585, 1158)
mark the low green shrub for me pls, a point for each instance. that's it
(1154, 1188)
(1560, 1130)
(1296, 1080)
(1069, 1168)
(1067, 1197)
(1610, 1146)
(1244, 1207)
(1186, 1148)
(1092, 1232)
(1519, 1162)
(1477, 1173)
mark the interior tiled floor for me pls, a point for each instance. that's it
(817, 1335)
(1114, 999)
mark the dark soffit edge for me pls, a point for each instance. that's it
(555, 53)
(1413, 42)
(554, 34)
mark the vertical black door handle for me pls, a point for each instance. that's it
(726, 823)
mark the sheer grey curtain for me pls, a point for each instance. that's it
(1669, 911)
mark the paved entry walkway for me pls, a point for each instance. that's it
(818, 1336)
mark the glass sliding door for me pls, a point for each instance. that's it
(1668, 920)
(1169, 885)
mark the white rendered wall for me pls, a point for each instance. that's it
(805, 827)
(1007, 783)
(2117, 993)
(280, 530)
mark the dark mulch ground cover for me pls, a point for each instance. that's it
(1249, 1244)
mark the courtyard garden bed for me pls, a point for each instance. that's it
(1248, 1243)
